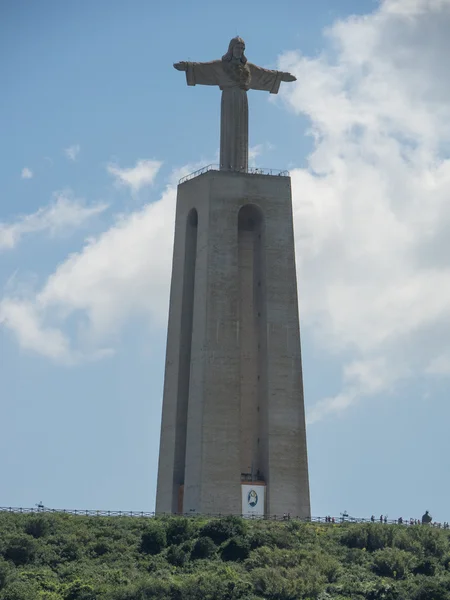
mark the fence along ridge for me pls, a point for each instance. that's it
(132, 513)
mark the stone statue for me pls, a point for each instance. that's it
(426, 518)
(234, 75)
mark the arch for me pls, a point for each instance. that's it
(252, 340)
(250, 217)
(192, 218)
(185, 341)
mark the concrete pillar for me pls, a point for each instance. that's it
(233, 392)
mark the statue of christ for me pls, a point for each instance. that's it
(234, 75)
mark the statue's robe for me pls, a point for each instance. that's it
(234, 106)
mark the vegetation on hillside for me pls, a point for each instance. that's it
(63, 557)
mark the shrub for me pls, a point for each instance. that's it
(277, 561)
(379, 537)
(101, 547)
(354, 556)
(354, 537)
(20, 590)
(303, 531)
(37, 527)
(68, 548)
(382, 590)
(432, 542)
(426, 566)
(149, 589)
(220, 530)
(41, 576)
(391, 562)
(216, 585)
(259, 538)
(78, 590)
(178, 530)
(273, 584)
(204, 547)
(282, 537)
(21, 550)
(4, 571)
(371, 536)
(429, 589)
(404, 540)
(177, 556)
(237, 548)
(153, 540)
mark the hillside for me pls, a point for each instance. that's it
(63, 557)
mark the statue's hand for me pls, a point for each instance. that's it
(180, 66)
(288, 77)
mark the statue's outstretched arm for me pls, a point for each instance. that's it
(288, 77)
(201, 73)
(180, 66)
(268, 80)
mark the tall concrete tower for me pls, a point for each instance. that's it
(233, 438)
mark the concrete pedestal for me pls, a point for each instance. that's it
(233, 405)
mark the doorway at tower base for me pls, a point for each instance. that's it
(253, 499)
(180, 499)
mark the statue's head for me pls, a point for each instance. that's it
(236, 49)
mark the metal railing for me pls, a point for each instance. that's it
(249, 171)
(79, 512)
(343, 519)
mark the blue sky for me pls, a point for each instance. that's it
(97, 127)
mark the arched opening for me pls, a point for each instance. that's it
(184, 370)
(252, 338)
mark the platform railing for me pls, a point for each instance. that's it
(341, 520)
(249, 171)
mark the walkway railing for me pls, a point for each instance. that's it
(121, 513)
(249, 170)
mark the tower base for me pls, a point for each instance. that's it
(233, 409)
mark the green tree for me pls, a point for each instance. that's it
(79, 590)
(426, 566)
(391, 562)
(220, 530)
(204, 547)
(153, 540)
(21, 549)
(177, 556)
(179, 529)
(4, 572)
(235, 549)
(429, 589)
(125, 558)
(37, 526)
(20, 590)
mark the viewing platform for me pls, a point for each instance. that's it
(248, 171)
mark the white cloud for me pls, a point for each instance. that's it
(26, 173)
(439, 365)
(121, 274)
(371, 210)
(21, 318)
(371, 215)
(361, 378)
(137, 177)
(63, 214)
(72, 152)
(258, 150)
